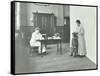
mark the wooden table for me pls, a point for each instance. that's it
(57, 41)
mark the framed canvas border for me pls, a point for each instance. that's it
(13, 36)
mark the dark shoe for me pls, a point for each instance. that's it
(81, 56)
(75, 56)
(44, 53)
(71, 54)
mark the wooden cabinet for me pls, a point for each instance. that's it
(46, 22)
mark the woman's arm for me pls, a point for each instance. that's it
(40, 36)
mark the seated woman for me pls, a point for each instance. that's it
(36, 35)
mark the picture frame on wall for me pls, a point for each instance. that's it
(53, 37)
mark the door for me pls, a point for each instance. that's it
(67, 30)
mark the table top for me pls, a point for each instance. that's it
(50, 39)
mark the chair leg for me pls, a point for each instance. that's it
(31, 52)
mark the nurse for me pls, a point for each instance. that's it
(81, 39)
(36, 35)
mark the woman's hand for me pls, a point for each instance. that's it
(81, 33)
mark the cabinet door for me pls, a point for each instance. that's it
(46, 22)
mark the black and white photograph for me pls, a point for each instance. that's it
(51, 37)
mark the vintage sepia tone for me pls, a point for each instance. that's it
(54, 37)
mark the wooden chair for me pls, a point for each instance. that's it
(33, 50)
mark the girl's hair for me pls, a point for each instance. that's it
(78, 21)
(74, 34)
(57, 34)
(37, 28)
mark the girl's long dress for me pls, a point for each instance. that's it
(81, 41)
(34, 42)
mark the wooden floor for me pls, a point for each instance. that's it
(50, 62)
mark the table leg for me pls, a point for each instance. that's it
(60, 47)
(41, 48)
(57, 48)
